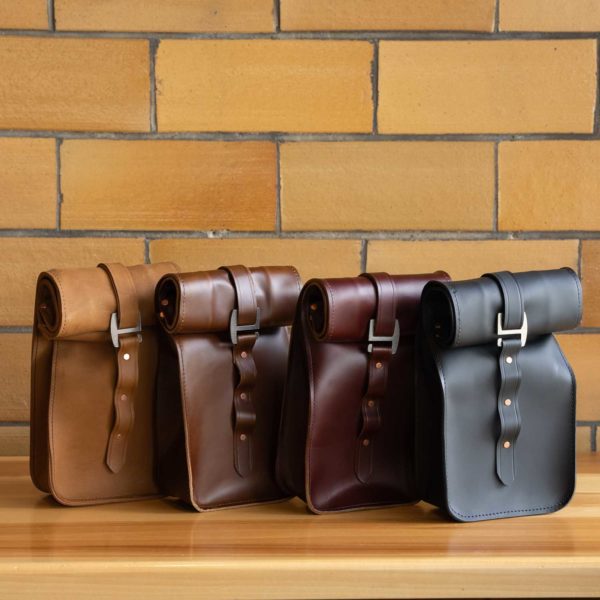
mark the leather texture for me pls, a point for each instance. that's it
(223, 359)
(495, 418)
(92, 403)
(346, 439)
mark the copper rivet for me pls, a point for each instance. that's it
(164, 302)
(43, 307)
(123, 397)
(507, 444)
(243, 395)
(126, 357)
(118, 435)
(378, 365)
(366, 442)
(371, 403)
(244, 354)
(509, 359)
(508, 402)
(243, 437)
(313, 307)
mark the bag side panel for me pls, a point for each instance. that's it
(171, 450)
(544, 449)
(81, 419)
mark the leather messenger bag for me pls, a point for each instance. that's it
(495, 395)
(222, 370)
(346, 439)
(94, 358)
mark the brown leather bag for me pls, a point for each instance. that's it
(346, 439)
(221, 378)
(94, 358)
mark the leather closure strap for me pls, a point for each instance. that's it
(511, 338)
(126, 336)
(383, 336)
(245, 323)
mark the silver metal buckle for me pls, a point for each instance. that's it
(503, 332)
(115, 332)
(234, 327)
(394, 338)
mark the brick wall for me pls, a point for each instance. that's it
(337, 135)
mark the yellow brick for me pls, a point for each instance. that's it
(165, 15)
(14, 441)
(506, 86)
(161, 185)
(27, 183)
(549, 185)
(387, 185)
(74, 84)
(582, 353)
(24, 14)
(312, 258)
(15, 359)
(468, 259)
(583, 439)
(465, 15)
(590, 275)
(24, 258)
(264, 85)
(549, 15)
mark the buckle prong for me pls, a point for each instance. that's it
(115, 332)
(522, 332)
(394, 339)
(234, 327)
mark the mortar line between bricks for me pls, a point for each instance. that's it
(594, 438)
(363, 255)
(58, 184)
(497, 16)
(275, 136)
(153, 48)
(51, 15)
(391, 235)
(146, 251)
(15, 329)
(596, 123)
(14, 423)
(579, 257)
(496, 206)
(364, 35)
(277, 15)
(375, 86)
(278, 188)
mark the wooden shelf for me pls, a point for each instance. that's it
(160, 549)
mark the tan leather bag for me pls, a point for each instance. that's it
(221, 376)
(94, 359)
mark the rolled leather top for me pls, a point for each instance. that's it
(340, 309)
(465, 313)
(202, 302)
(79, 302)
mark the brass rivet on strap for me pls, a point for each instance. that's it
(371, 403)
(123, 397)
(366, 442)
(126, 356)
(507, 402)
(164, 302)
(509, 359)
(243, 395)
(378, 365)
(119, 435)
(313, 307)
(244, 354)
(506, 444)
(243, 437)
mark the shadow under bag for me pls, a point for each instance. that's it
(496, 396)
(93, 378)
(346, 440)
(222, 371)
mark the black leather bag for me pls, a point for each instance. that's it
(495, 415)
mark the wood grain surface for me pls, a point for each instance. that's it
(160, 549)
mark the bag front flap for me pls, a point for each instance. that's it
(76, 302)
(341, 309)
(204, 301)
(466, 313)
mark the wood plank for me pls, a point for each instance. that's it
(159, 549)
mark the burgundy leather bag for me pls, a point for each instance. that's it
(346, 439)
(222, 367)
